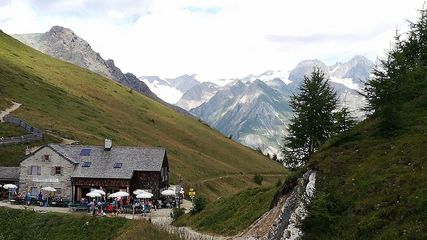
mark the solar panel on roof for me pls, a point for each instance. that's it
(86, 164)
(118, 165)
(85, 152)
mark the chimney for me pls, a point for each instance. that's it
(108, 144)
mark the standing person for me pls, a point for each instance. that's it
(40, 198)
(28, 198)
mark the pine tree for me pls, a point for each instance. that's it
(344, 121)
(400, 77)
(313, 121)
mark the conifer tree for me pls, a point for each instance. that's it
(344, 120)
(313, 121)
(400, 77)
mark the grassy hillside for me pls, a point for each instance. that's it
(232, 214)
(372, 182)
(81, 105)
(371, 186)
(27, 224)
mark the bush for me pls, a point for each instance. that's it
(321, 214)
(199, 203)
(278, 183)
(177, 212)
(258, 179)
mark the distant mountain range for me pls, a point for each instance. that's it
(64, 44)
(255, 110)
(170, 90)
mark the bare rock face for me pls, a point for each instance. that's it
(64, 44)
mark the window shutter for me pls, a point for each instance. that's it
(39, 170)
(61, 170)
(29, 170)
(52, 171)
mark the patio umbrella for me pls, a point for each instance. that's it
(119, 194)
(168, 192)
(49, 189)
(138, 191)
(93, 194)
(10, 186)
(144, 195)
(99, 191)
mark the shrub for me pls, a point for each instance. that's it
(321, 214)
(199, 203)
(278, 183)
(177, 212)
(258, 179)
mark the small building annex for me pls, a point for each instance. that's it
(73, 170)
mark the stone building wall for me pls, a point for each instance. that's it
(48, 175)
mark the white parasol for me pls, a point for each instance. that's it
(99, 191)
(10, 186)
(145, 195)
(168, 192)
(119, 194)
(49, 189)
(93, 194)
(138, 191)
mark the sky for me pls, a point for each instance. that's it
(218, 38)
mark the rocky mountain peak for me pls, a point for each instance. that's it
(60, 30)
(305, 68)
(64, 44)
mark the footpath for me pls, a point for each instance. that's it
(14, 107)
(160, 218)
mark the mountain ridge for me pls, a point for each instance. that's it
(64, 44)
(81, 105)
(269, 127)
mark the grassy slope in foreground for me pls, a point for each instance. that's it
(232, 214)
(20, 224)
(372, 187)
(80, 104)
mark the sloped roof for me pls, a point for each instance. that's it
(102, 162)
(9, 173)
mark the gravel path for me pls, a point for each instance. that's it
(9, 110)
(160, 218)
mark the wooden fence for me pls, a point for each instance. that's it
(35, 134)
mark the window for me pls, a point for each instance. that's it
(35, 170)
(85, 152)
(86, 164)
(118, 165)
(58, 170)
(46, 157)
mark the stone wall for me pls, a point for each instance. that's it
(47, 176)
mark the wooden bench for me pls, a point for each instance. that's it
(78, 207)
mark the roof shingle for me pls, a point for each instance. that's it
(9, 173)
(102, 162)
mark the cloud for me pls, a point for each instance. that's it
(320, 38)
(210, 10)
(217, 38)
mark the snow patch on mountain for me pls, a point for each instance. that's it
(348, 82)
(167, 93)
